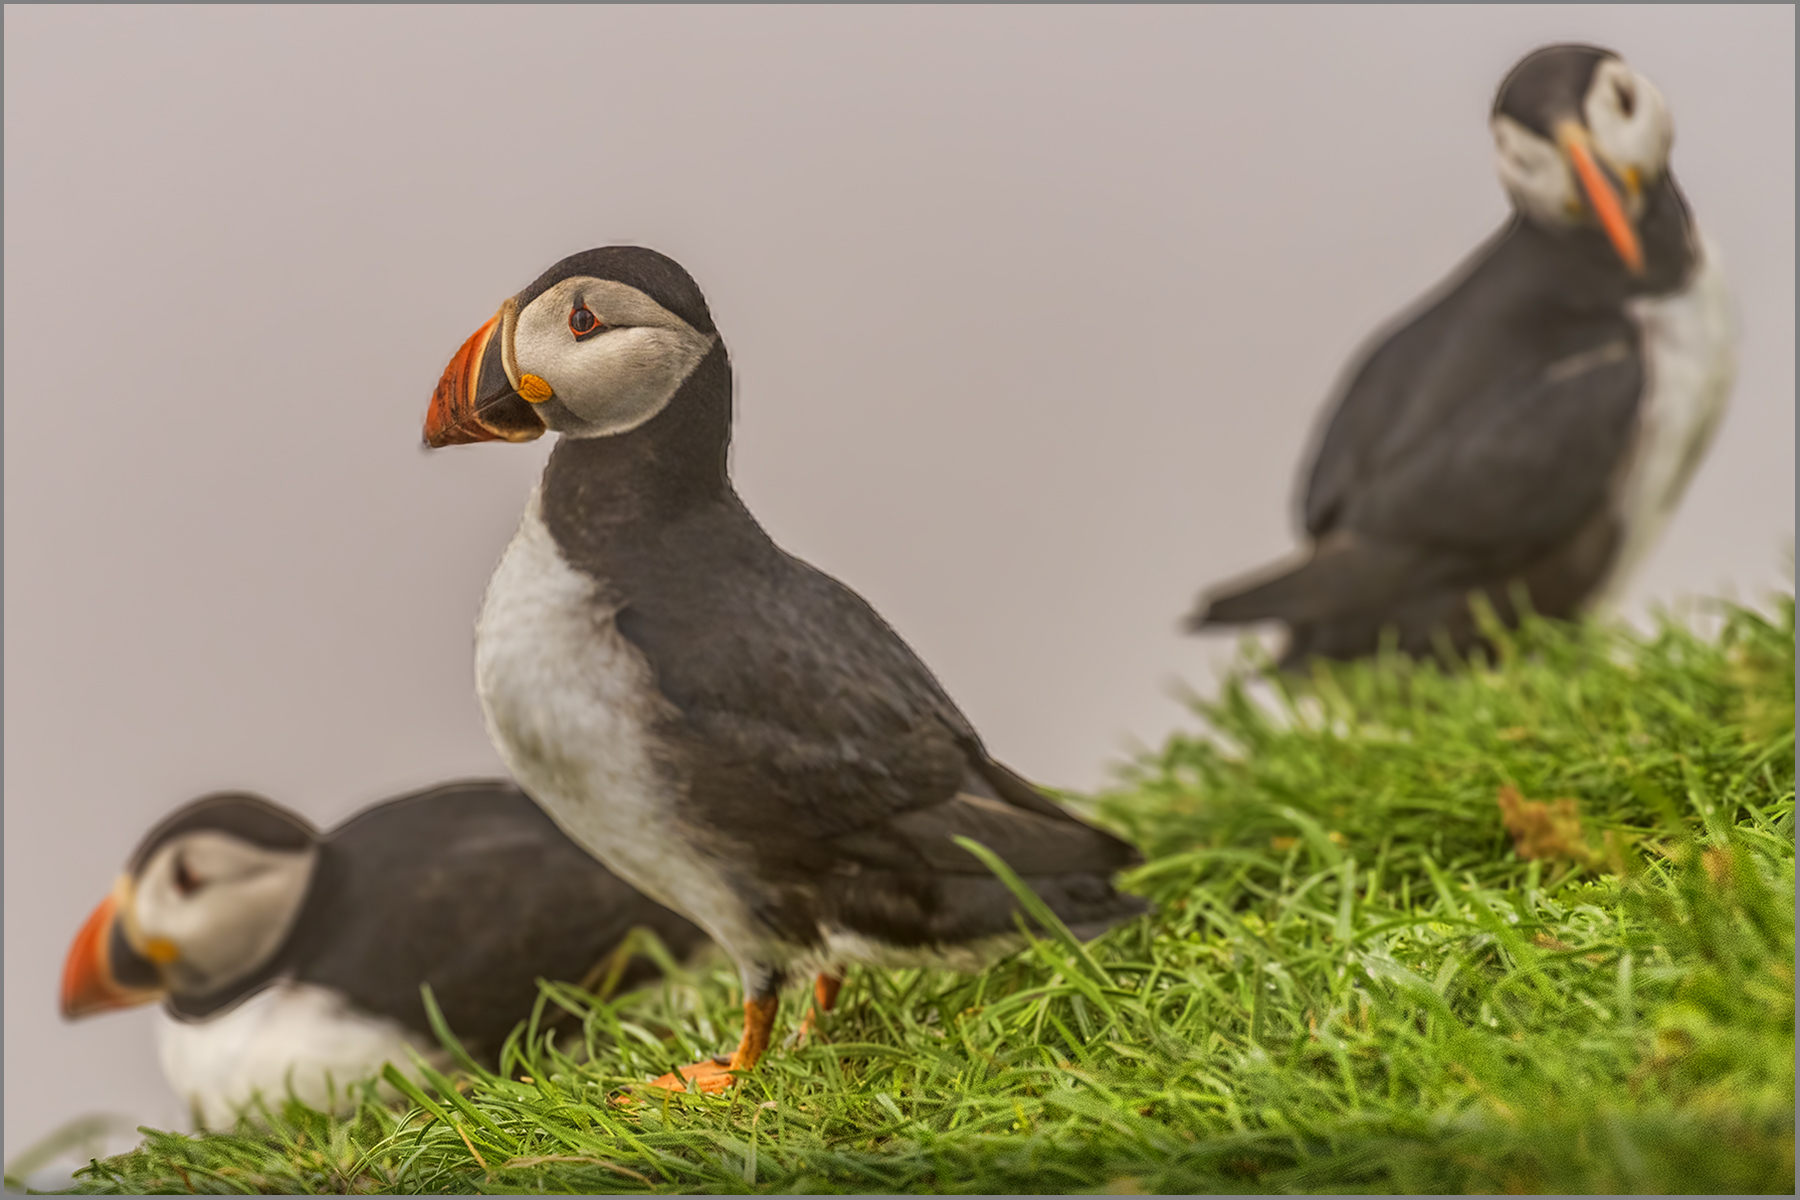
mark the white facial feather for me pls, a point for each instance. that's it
(245, 903)
(1629, 123)
(1535, 174)
(614, 380)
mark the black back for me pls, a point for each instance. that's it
(472, 889)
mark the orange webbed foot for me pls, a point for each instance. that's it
(711, 1076)
(714, 1075)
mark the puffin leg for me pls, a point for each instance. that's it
(759, 1024)
(827, 987)
(718, 1073)
(825, 994)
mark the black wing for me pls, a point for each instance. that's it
(1494, 418)
(1500, 482)
(1523, 463)
(812, 730)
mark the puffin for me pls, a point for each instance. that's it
(285, 957)
(731, 730)
(1534, 424)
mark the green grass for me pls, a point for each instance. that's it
(1353, 982)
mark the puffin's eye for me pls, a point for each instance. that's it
(583, 323)
(1627, 98)
(185, 882)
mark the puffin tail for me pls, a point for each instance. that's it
(1342, 573)
(1087, 924)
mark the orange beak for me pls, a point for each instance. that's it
(475, 401)
(1602, 197)
(89, 984)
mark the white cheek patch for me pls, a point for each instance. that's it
(1637, 141)
(244, 908)
(618, 380)
(1535, 174)
(614, 380)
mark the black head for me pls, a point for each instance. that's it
(1549, 85)
(242, 815)
(649, 271)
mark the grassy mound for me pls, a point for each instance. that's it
(1525, 927)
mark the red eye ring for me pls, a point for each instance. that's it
(583, 323)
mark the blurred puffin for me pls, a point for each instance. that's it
(736, 733)
(1538, 421)
(285, 956)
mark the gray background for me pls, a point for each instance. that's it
(1033, 310)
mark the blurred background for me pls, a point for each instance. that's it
(1033, 312)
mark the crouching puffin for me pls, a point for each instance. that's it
(1538, 421)
(285, 957)
(736, 733)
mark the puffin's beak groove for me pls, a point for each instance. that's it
(1601, 195)
(88, 983)
(475, 400)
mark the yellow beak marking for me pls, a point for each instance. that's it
(534, 389)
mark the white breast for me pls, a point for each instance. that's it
(288, 1035)
(1690, 349)
(572, 708)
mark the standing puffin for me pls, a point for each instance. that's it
(1537, 423)
(737, 734)
(283, 956)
